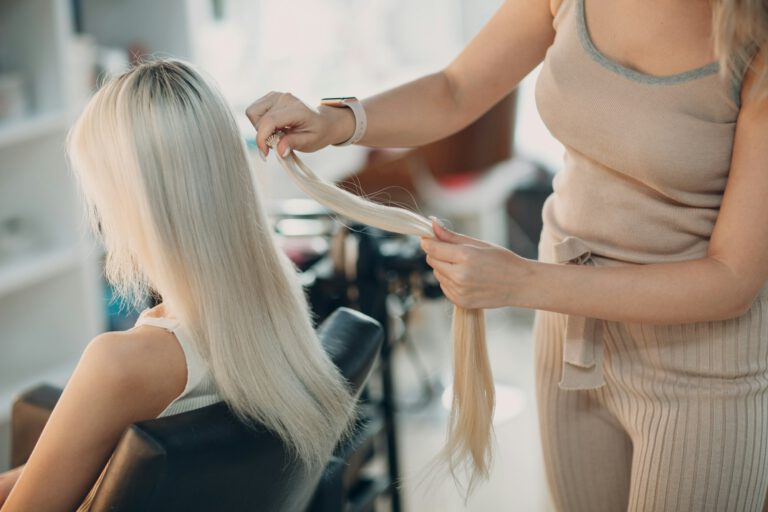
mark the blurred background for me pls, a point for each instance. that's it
(488, 181)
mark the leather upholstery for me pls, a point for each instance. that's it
(28, 417)
(208, 460)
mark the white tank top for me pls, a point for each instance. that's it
(200, 390)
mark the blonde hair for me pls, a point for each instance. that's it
(167, 181)
(470, 426)
(740, 30)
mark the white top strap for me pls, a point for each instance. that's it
(196, 367)
(166, 323)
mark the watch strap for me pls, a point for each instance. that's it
(361, 122)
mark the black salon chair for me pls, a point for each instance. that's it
(206, 460)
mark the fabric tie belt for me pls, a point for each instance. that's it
(583, 344)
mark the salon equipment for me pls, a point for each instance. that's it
(206, 459)
(382, 275)
(389, 268)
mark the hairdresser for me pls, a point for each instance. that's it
(651, 324)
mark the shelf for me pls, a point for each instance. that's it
(31, 127)
(56, 376)
(22, 272)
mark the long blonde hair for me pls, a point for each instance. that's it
(168, 185)
(740, 30)
(468, 447)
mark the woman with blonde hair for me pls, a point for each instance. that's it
(166, 178)
(651, 329)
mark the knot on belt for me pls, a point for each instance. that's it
(583, 344)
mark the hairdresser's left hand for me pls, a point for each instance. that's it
(474, 274)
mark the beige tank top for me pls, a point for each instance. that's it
(646, 157)
(645, 167)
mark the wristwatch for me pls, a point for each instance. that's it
(357, 109)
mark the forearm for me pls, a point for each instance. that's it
(412, 114)
(680, 292)
(509, 46)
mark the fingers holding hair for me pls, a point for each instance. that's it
(446, 235)
(272, 112)
(256, 111)
(444, 251)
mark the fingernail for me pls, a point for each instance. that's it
(261, 154)
(442, 225)
(286, 151)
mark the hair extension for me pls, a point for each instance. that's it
(470, 426)
(166, 176)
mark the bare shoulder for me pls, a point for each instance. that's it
(146, 360)
(122, 378)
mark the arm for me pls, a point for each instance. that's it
(508, 47)
(119, 380)
(721, 285)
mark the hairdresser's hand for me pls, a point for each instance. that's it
(306, 129)
(474, 274)
(7, 481)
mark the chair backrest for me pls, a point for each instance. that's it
(207, 459)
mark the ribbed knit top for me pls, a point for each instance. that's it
(646, 163)
(200, 389)
(646, 157)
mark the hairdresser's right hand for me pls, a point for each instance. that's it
(306, 129)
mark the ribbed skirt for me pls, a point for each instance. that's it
(680, 425)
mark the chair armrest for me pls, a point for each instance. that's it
(29, 415)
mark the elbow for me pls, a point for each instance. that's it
(455, 101)
(451, 88)
(745, 304)
(740, 291)
(735, 311)
(721, 311)
(740, 304)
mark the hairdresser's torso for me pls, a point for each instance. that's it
(632, 90)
